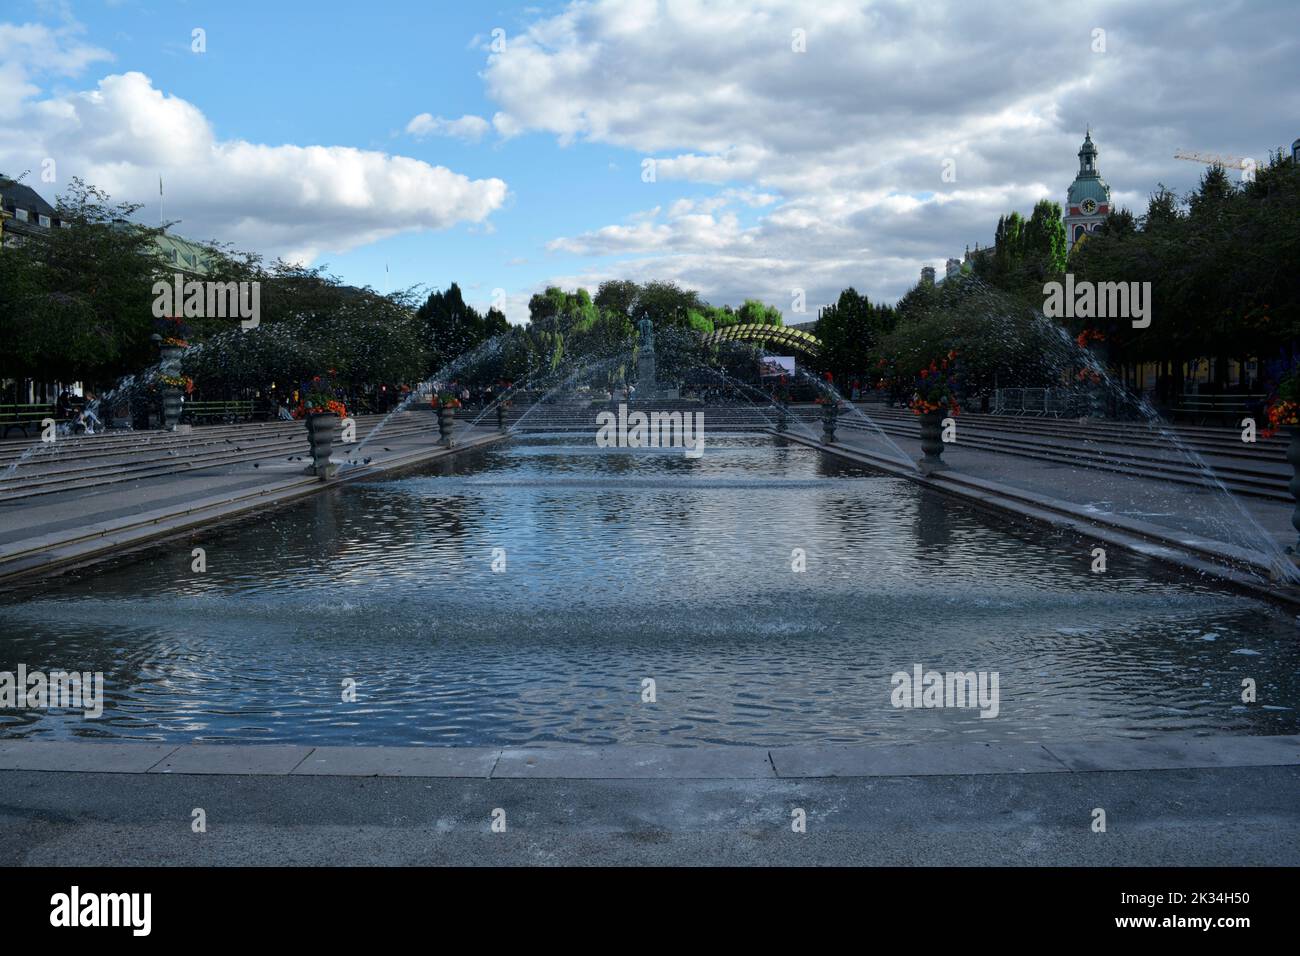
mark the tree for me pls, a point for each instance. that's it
(79, 303)
(1044, 243)
(850, 333)
(665, 304)
(617, 296)
(450, 327)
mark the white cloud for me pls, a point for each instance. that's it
(852, 135)
(469, 128)
(296, 201)
(32, 50)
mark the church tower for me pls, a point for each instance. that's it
(1088, 201)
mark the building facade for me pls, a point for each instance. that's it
(24, 214)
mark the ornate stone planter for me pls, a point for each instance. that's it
(830, 416)
(446, 421)
(932, 440)
(322, 431)
(1098, 395)
(171, 405)
(1293, 456)
(170, 362)
(170, 354)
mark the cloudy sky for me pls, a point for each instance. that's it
(743, 149)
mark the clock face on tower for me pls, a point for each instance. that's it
(1089, 206)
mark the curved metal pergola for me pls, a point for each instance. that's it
(780, 335)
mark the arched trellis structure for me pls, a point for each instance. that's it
(778, 335)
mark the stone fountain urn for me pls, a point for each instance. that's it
(932, 440)
(170, 362)
(446, 421)
(171, 407)
(322, 432)
(1293, 456)
(830, 417)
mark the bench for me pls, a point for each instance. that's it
(23, 417)
(227, 411)
(1233, 407)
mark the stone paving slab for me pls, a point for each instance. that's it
(633, 762)
(857, 760)
(88, 756)
(400, 762)
(233, 758)
(1157, 754)
(642, 762)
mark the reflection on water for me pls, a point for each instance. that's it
(624, 565)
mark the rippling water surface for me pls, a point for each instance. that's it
(623, 566)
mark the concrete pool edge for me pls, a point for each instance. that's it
(648, 762)
(1202, 557)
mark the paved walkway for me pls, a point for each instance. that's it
(1178, 507)
(1208, 817)
(1169, 801)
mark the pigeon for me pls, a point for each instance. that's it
(256, 465)
(367, 461)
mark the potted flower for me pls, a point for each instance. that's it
(322, 411)
(445, 405)
(934, 398)
(172, 337)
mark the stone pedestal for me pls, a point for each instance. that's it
(322, 432)
(171, 403)
(170, 364)
(932, 441)
(446, 422)
(830, 417)
(1293, 456)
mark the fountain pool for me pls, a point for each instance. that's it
(526, 593)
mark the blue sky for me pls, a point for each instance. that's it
(778, 168)
(280, 72)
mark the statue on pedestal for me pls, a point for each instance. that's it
(645, 361)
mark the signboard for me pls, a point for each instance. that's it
(778, 365)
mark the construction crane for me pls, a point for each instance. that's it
(1244, 163)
